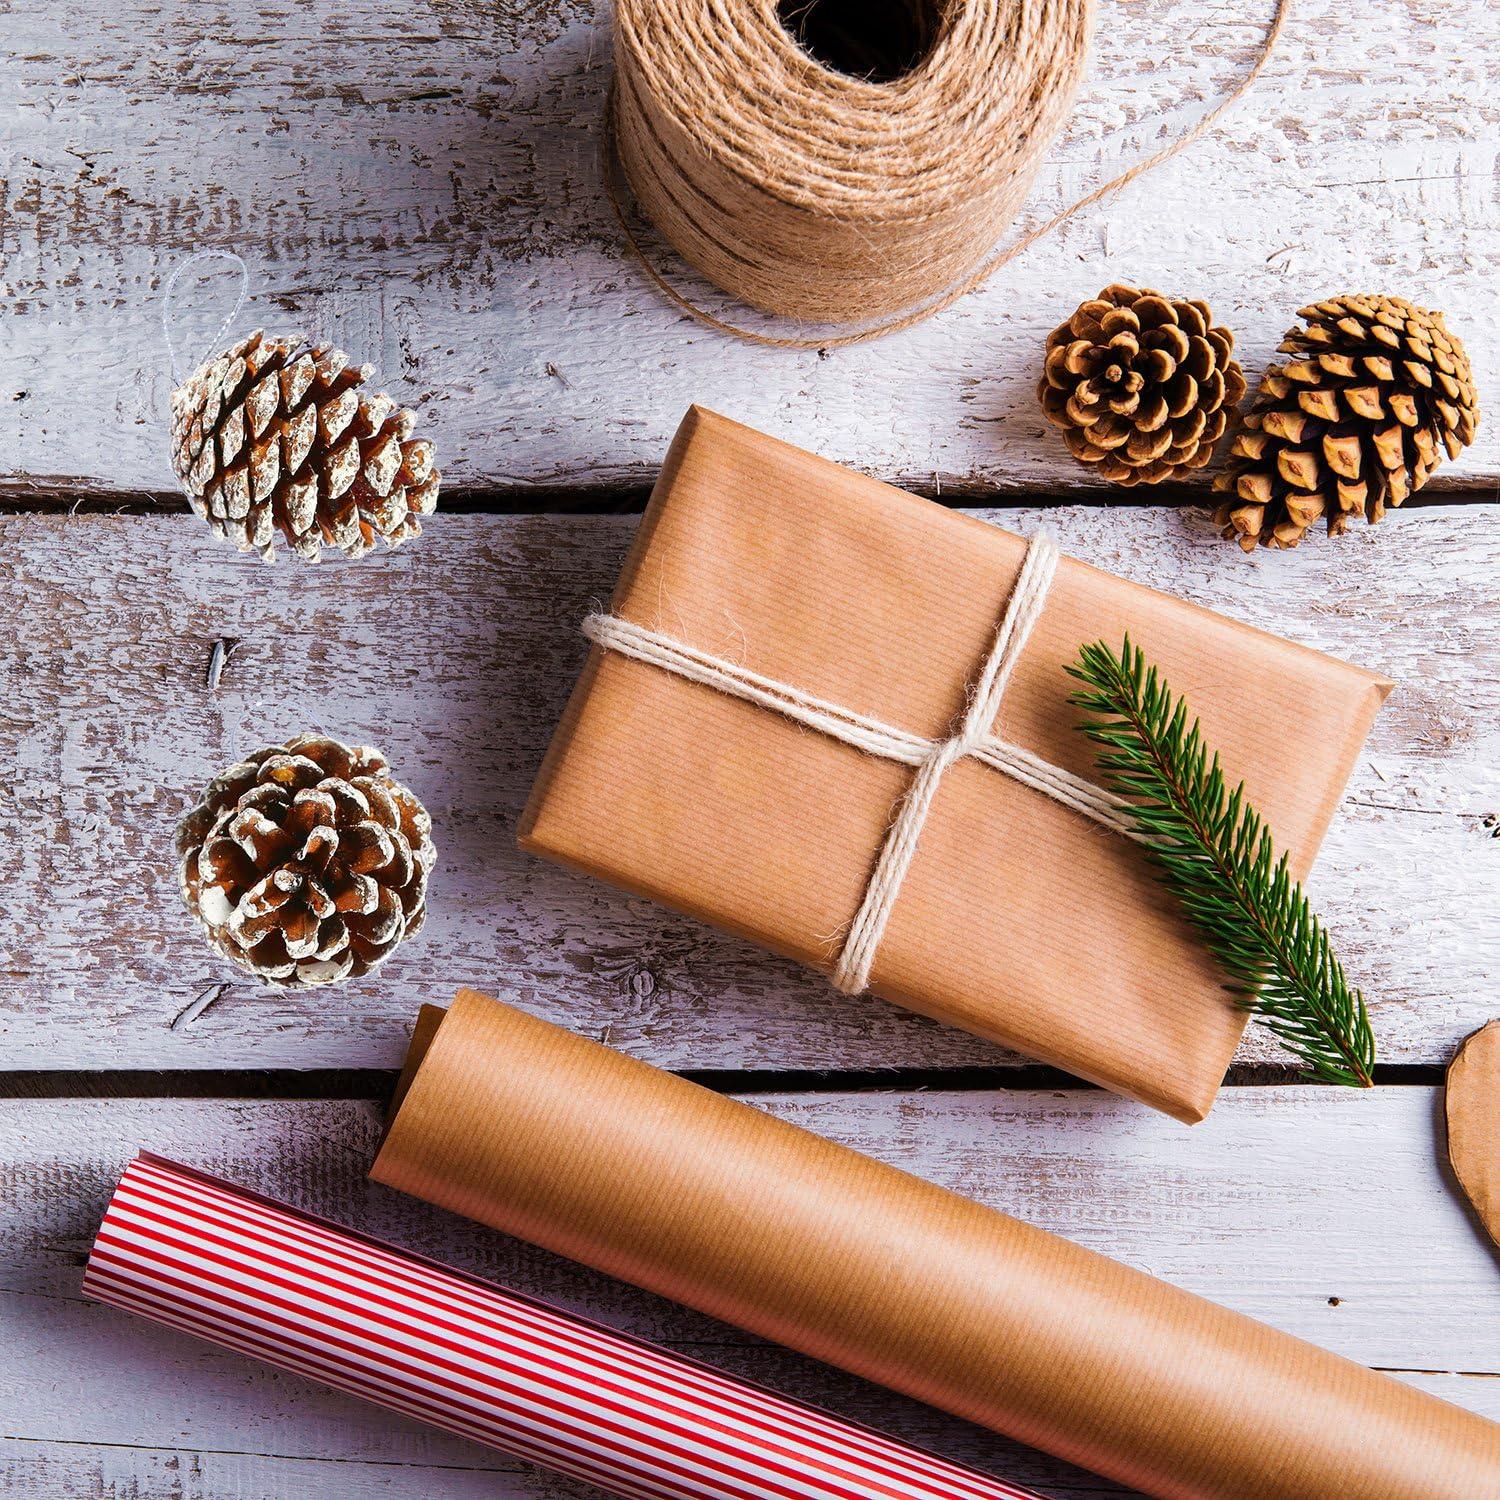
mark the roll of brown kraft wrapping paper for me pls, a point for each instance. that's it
(542, 1134)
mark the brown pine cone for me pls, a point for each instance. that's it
(1142, 385)
(279, 435)
(307, 862)
(1356, 421)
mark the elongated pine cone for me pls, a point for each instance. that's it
(1142, 385)
(278, 435)
(1355, 421)
(307, 862)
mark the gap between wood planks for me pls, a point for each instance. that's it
(377, 1083)
(46, 495)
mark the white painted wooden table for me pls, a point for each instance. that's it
(419, 181)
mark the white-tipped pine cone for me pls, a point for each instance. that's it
(307, 863)
(278, 435)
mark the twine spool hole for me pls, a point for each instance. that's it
(876, 40)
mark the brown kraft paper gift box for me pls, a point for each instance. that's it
(1019, 919)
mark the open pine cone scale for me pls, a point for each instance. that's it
(279, 436)
(307, 863)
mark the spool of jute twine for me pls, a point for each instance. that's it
(874, 196)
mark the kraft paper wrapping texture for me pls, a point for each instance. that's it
(542, 1134)
(1019, 919)
(470, 1357)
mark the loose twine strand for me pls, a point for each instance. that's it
(614, 166)
(170, 290)
(973, 738)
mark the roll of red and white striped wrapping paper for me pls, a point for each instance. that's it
(470, 1357)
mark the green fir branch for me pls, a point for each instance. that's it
(1214, 852)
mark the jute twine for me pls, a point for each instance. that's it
(833, 199)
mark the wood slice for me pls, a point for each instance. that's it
(1472, 1102)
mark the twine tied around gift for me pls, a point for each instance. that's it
(869, 190)
(974, 738)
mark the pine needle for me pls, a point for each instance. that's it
(1214, 852)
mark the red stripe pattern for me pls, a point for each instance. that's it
(255, 1276)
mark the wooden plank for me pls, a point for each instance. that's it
(455, 655)
(414, 1463)
(429, 196)
(1355, 1240)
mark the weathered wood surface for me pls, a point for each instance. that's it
(1355, 1241)
(428, 194)
(455, 655)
